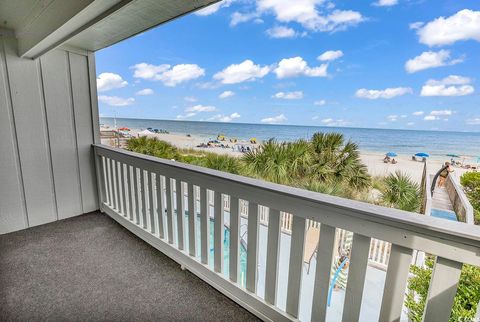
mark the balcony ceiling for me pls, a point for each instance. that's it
(41, 25)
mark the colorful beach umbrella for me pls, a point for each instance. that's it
(422, 155)
(391, 154)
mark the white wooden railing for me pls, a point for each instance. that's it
(130, 190)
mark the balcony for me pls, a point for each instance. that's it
(267, 247)
(249, 240)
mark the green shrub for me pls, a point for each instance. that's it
(466, 299)
(153, 147)
(401, 192)
(223, 163)
(471, 184)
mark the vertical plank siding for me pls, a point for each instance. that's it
(48, 166)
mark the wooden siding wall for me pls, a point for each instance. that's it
(46, 130)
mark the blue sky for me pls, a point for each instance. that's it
(407, 64)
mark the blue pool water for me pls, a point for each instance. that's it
(444, 214)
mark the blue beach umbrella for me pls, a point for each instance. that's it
(391, 154)
(422, 155)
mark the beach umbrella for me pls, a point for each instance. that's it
(422, 155)
(391, 154)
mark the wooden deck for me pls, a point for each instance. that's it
(440, 199)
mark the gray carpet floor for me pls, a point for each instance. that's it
(91, 268)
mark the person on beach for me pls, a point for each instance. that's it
(444, 174)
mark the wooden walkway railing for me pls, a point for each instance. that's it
(131, 190)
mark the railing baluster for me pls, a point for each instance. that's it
(124, 190)
(395, 283)
(356, 278)
(129, 192)
(192, 222)
(143, 194)
(160, 206)
(106, 164)
(442, 290)
(135, 194)
(322, 272)
(219, 232)
(100, 171)
(168, 196)
(112, 184)
(296, 265)
(273, 250)
(118, 193)
(252, 247)
(204, 226)
(150, 202)
(234, 239)
(180, 213)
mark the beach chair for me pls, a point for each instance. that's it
(311, 245)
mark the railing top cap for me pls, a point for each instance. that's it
(436, 227)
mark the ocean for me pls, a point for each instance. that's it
(403, 142)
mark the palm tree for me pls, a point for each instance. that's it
(279, 162)
(337, 161)
(401, 192)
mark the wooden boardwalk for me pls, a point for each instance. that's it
(440, 199)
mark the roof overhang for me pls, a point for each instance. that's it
(42, 25)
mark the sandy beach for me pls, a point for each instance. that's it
(374, 161)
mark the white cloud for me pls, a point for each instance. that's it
(410, 123)
(116, 101)
(416, 25)
(320, 102)
(169, 76)
(418, 113)
(190, 99)
(333, 122)
(385, 3)
(108, 81)
(387, 93)
(464, 25)
(144, 92)
(225, 118)
(201, 108)
(431, 118)
(226, 94)
(289, 95)
(452, 85)
(474, 121)
(392, 118)
(274, 119)
(430, 59)
(305, 12)
(211, 9)
(281, 32)
(330, 55)
(238, 17)
(296, 66)
(185, 116)
(441, 113)
(238, 73)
